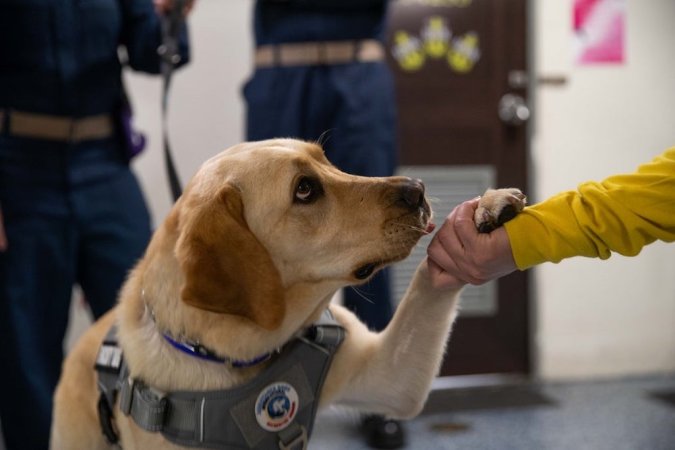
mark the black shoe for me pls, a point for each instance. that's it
(383, 433)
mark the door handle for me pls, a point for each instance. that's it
(513, 110)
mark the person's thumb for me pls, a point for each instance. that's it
(465, 226)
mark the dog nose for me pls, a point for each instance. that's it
(412, 193)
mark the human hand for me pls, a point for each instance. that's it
(3, 236)
(459, 254)
(164, 6)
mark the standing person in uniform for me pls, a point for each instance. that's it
(71, 210)
(321, 75)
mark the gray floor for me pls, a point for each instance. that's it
(611, 415)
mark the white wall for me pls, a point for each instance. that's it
(206, 108)
(615, 317)
(593, 318)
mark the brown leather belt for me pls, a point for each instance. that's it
(58, 128)
(319, 53)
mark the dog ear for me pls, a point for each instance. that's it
(227, 270)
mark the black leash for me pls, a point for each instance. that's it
(170, 57)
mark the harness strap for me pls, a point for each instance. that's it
(105, 419)
(109, 364)
(293, 438)
(146, 405)
(327, 331)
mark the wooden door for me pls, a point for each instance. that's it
(459, 65)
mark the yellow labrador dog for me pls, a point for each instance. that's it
(249, 257)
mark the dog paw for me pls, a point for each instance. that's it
(498, 206)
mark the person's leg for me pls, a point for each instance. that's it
(115, 230)
(362, 142)
(36, 279)
(275, 103)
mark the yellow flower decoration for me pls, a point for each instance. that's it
(464, 53)
(408, 51)
(436, 36)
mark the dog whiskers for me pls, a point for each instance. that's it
(411, 227)
(361, 294)
(324, 137)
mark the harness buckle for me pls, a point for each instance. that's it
(146, 405)
(109, 358)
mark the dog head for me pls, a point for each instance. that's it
(262, 217)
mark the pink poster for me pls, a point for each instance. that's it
(599, 31)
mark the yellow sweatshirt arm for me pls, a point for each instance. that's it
(621, 214)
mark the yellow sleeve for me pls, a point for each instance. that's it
(621, 214)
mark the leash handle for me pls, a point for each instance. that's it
(169, 53)
(171, 26)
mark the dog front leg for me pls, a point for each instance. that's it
(395, 376)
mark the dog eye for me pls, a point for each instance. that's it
(307, 190)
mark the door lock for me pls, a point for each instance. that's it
(513, 110)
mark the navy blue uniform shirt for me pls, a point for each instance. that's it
(60, 56)
(278, 21)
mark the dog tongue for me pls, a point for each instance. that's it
(430, 227)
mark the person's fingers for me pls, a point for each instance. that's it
(451, 258)
(445, 248)
(439, 253)
(440, 279)
(453, 248)
(463, 225)
(446, 238)
(434, 269)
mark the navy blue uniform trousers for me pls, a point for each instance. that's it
(350, 109)
(74, 214)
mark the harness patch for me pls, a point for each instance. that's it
(276, 406)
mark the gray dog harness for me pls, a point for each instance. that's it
(275, 410)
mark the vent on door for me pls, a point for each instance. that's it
(447, 187)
